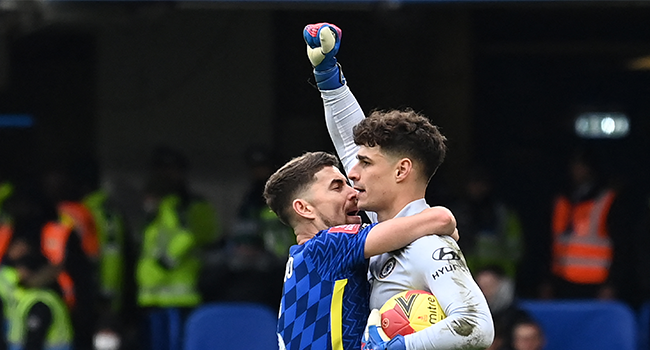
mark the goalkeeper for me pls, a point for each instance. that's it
(391, 156)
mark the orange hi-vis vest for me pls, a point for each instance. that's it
(54, 239)
(6, 232)
(79, 217)
(582, 249)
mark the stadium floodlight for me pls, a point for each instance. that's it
(602, 125)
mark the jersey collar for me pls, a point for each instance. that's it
(415, 207)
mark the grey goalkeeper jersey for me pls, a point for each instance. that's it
(432, 263)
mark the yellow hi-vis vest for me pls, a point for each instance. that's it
(110, 232)
(6, 189)
(18, 301)
(59, 336)
(8, 285)
(168, 242)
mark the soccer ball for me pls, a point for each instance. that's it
(409, 312)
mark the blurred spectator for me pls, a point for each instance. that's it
(237, 271)
(61, 188)
(593, 236)
(527, 335)
(181, 224)
(6, 189)
(36, 314)
(276, 236)
(38, 318)
(115, 260)
(72, 245)
(491, 232)
(499, 291)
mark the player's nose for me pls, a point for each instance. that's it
(353, 174)
(352, 193)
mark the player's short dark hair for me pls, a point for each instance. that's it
(404, 133)
(288, 182)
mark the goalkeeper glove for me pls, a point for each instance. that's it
(374, 337)
(323, 41)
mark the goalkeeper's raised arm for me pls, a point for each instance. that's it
(342, 111)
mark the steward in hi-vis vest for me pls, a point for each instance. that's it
(582, 249)
(78, 217)
(35, 317)
(6, 189)
(111, 236)
(168, 268)
(54, 241)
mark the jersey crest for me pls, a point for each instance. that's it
(388, 267)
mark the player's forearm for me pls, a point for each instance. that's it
(443, 222)
(342, 113)
(399, 232)
(467, 330)
(455, 235)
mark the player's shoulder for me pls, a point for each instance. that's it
(428, 244)
(431, 240)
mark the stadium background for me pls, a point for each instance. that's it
(504, 80)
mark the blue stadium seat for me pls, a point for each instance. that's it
(644, 326)
(231, 326)
(585, 324)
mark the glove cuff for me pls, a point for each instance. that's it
(397, 343)
(329, 79)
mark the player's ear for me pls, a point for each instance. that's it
(402, 169)
(303, 209)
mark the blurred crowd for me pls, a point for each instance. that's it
(594, 248)
(77, 274)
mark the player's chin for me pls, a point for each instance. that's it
(362, 203)
(352, 219)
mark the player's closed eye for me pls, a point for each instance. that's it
(337, 185)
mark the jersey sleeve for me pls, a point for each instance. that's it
(342, 113)
(468, 323)
(339, 251)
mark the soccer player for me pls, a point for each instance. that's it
(391, 156)
(325, 296)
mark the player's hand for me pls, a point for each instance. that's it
(374, 337)
(323, 41)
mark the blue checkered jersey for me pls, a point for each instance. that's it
(326, 291)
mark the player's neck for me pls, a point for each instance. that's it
(396, 205)
(306, 230)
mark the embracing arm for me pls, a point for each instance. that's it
(399, 232)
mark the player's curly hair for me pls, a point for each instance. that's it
(292, 179)
(404, 133)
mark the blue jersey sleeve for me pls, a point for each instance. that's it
(338, 251)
